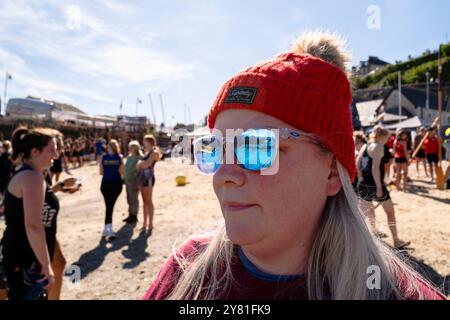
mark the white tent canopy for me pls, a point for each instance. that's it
(367, 111)
(389, 117)
(410, 123)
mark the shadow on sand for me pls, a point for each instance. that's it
(136, 251)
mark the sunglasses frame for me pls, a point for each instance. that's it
(281, 133)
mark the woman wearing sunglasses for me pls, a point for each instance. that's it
(292, 227)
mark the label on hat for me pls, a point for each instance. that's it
(244, 95)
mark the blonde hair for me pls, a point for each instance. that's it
(338, 266)
(343, 248)
(7, 145)
(150, 138)
(359, 136)
(135, 143)
(378, 132)
(114, 145)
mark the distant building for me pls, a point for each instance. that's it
(369, 66)
(414, 104)
(29, 109)
(133, 123)
(381, 104)
(32, 108)
(62, 107)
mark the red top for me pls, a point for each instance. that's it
(399, 149)
(250, 288)
(431, 145)
(390, 142)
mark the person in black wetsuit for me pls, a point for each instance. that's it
(370, 165)
(31, 208)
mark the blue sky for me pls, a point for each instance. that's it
(95, 53)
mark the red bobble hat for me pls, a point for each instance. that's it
(301, 90)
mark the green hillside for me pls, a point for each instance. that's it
(413, 71)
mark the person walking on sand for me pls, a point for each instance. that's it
(370, 166)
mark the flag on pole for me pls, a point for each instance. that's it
(138, 101)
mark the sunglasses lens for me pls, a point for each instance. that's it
(256, 149)
(207, 154)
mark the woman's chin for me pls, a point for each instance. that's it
(242, 233)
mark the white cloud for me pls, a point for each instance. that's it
(100, 50)
(118, 6)
(27, 80)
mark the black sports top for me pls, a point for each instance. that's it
(16, 248)
(366, 166)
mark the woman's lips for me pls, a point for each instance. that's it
(237, 206)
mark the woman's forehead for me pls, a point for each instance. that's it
(247, 119)
(51, 144)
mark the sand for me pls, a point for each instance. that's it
(124, 268)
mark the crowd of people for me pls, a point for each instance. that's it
(31, 254)
(404, 148)
(31, 257)
(137, 173)
(375, 153)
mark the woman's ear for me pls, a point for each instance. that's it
(34, 152)
(334, 181)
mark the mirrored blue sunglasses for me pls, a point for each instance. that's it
(254, 149)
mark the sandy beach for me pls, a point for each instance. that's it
(124, 268)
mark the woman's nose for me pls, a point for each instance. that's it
(230, 175)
